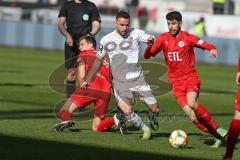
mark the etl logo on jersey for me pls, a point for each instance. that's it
(174, 56)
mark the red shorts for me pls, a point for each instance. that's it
(98, 92)
(180, 90)
(237, 101)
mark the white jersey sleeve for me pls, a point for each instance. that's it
(143, 36)
(101, 49)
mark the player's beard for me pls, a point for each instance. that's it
(123, 33)
(175, 33)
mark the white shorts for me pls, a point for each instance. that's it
(134, 89)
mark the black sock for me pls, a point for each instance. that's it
(70, 88)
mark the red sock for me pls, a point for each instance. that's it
(205, 128)
(105, 124)
(206, 116)
(64, 115)
(201, 127)
(233, 132)
(210, 130)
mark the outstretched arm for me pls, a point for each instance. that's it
(197, 42)
(213, 53)
(153, 49)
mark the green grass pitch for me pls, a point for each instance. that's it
(27, 116)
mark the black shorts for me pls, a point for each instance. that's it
(71, 55)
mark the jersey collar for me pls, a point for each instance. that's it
(89, 50)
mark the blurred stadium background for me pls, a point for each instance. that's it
(32, 23)
(31, 47)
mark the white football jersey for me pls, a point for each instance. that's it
(123, 52)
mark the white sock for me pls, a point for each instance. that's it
(137, 121)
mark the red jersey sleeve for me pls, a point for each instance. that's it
(239, 62)
(197, 42)
(80, 59)
(154, 49)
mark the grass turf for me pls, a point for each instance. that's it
(27, 116)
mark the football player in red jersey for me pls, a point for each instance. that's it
(99, 92)
(234, 129)
(178, 49)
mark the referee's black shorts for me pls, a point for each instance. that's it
(71, 55)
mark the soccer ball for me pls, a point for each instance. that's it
(178, 139)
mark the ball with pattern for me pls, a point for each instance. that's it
(178, 139)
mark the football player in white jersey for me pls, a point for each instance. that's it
(122, 48)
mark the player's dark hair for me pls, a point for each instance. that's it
(122, 14)
(89, 39)
(174, 15)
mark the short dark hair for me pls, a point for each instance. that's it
(122, 14)
(174, 15)
(89, 39)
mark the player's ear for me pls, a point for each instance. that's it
(91, 45)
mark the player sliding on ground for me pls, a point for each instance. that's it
(122, 47)
(99, 92)
(178, 48)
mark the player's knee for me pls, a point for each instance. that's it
(71, 75)
(127, 111)
(193, 119)
(94, 128)
(154, 108)
(125, 106)
(191, 114)
(192, 104)
(237, 115)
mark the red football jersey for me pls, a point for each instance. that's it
(178, 53)
(88, 57)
